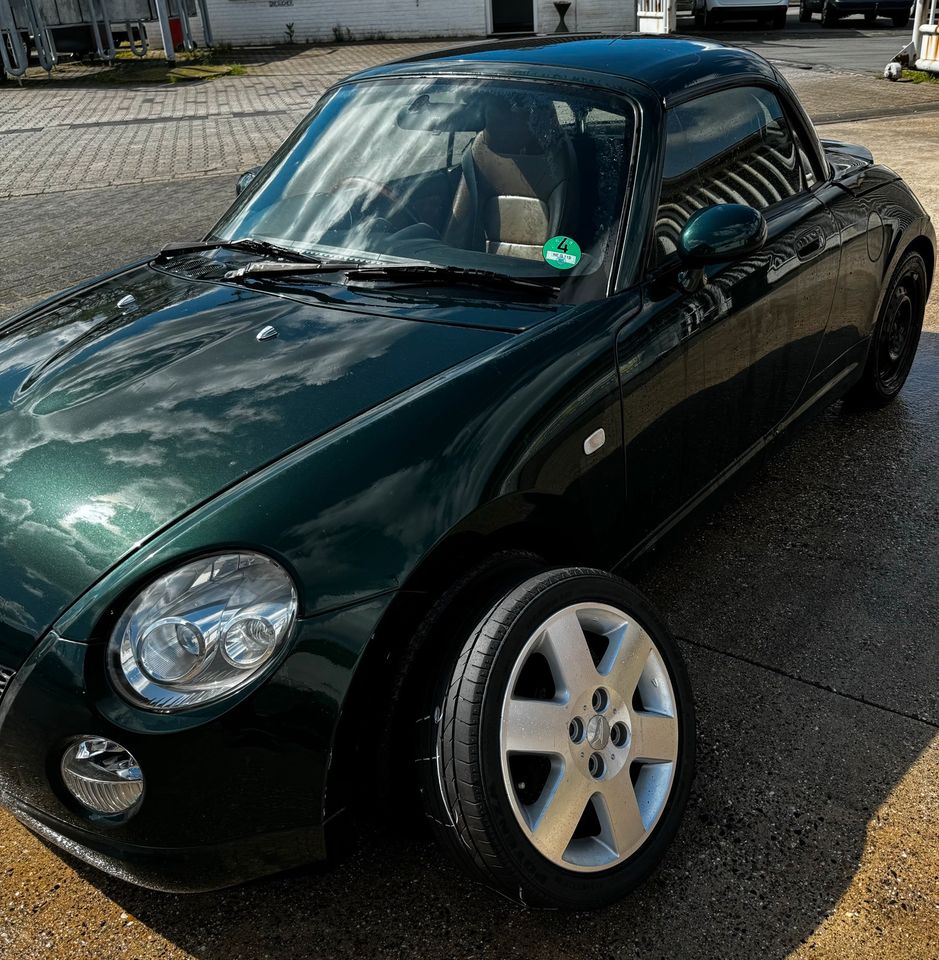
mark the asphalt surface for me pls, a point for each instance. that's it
(852, 45)
(809, 612)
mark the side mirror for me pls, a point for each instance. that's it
(723, 232)
(245, 179)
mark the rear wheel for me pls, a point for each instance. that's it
(559, 751)
(870, 19)
(805, 13)
(900, 19)
(829, 15)
(779, 20)
(700, 14)
(896, 336)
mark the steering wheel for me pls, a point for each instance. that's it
(397, 209)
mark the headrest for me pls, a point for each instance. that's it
(508, 129)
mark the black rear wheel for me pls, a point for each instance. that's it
(805, 13)
(558, 752)
(896, 335)
(829, 15)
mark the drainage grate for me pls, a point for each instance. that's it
(197, 268)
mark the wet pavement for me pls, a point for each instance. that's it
(809, 609)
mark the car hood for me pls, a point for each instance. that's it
(116, 420)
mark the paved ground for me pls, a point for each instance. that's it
(807, 603)
(851, 46)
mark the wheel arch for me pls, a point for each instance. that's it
(482, 556)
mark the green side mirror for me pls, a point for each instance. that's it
(720, 233)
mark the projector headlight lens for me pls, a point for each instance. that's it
(203, 631)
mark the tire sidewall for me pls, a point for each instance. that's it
(580, 890)
(909, 261)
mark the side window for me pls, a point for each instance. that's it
(734, 146)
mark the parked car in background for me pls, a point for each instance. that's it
(834, 11)
(709, 13)
(335, 505)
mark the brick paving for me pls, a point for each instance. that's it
(114, 171)
(57, 137)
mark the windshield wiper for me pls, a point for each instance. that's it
(250, 245)
(272, 266)
(424, 274)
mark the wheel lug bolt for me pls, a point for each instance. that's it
(619, 734)
(575, 730)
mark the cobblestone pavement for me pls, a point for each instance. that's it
(57, 138)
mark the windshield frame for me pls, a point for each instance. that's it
(597, 285)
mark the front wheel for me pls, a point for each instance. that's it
(896, 335)
(779, 20)
(900, 19)
(559, 749)
(829, 15)
(805, 14)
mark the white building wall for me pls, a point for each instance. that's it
(246, 22)
(589, 16)
(264, 21)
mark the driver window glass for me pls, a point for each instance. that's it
(734, 146)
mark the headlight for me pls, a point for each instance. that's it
(203, 631)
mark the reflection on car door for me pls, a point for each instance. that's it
(755, 328)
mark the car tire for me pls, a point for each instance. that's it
(779, 20)
(555, 763)
(700, 15)
(895, 337)
(805, 13)
(900, 19)
(711, 18)
(829, 15)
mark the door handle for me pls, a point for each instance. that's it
(809, 244)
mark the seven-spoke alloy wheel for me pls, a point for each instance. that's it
(559, 747)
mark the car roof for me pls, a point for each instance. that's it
(666, 64)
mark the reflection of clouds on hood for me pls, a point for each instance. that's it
(113, 425)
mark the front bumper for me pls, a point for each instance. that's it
(232, 791)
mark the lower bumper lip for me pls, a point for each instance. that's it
(176, 869)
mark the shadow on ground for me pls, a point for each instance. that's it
(810, 628)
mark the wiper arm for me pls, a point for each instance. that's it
(268, 267)
(249, 245)
(421, 274)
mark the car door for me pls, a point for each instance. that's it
(708, 371)
(754, 328)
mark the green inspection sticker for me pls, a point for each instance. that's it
(562, 253)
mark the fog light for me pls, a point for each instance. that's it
(102, 775)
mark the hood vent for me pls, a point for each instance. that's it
(196, 267)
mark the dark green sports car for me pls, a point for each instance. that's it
(330, 509)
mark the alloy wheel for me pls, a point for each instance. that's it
(589, 737)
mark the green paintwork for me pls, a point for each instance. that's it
(723, 232)
(381, 436)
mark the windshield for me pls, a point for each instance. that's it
(523, 179)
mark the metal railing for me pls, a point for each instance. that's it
(926, 35)
(27, 25)
(655, 16)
